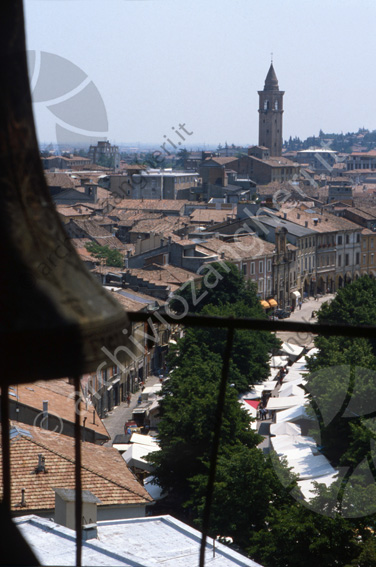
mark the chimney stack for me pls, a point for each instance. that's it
(44, 422)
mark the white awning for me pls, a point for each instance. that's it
(278, 361)
(291, 349)
(296, 294)
(284, 403)
(285, 428)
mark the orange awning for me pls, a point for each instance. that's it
(264, 304)
(272, 303)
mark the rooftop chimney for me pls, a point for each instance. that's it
(44, 422)
(41, 467)
(306, 224)
(315, 221)
(65, 511)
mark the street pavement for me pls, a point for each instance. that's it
(116, 418)
(304, 315)
(303, 339)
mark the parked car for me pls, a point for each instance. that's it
(282, 313)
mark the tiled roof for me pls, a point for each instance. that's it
(60, 396)
(62, 180)
(244, 248)
(74, 211)
(152, 204)
(159, 226)
(104, 472)
(221, 160)
(276, 161)
(99, 234)
(326, 222)
(208, 215)
(168, 275)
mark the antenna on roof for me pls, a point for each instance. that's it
(271, 57)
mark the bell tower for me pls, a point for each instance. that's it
(270, 114)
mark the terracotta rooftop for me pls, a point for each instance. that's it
(74, 211)
(60, 396)
(209, 215)
(168, 275)
(153, 205)
(221, 160)
(62, 180)
(326, 222)
(246, 247)
(104, 472)
(162, 226)
(98, 233)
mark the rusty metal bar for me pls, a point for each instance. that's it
(78, 479)
(5, 431)
(215, 447)
(329, 330)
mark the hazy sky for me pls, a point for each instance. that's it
(160, 63)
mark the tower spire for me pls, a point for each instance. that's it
(270, 113)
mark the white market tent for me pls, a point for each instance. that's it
(151, 390)
(307, 486)
(283, 403)
(302, 456)
(292, 350)
(278, 361)
(293, 414)
(290, 389)
(283, 444)
(273, 373)
(252, 411)
(146, 440)
(285, 428)
(292, 375)
(154, 490)
(134, 456)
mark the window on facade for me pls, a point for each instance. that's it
(347, 239)
(339, 260)
(347, 261)
(305, 263)
(357, 258)
(261, 267)
(269, 265)
(339, 239)
(261, 285)
(252, 268)
(364, 243)
(372, 258)
(358, 237)
(245, 269)
(371, 242)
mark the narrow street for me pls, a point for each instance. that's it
(305, 315)
(116, 418)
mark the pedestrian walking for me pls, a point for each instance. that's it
(300, 304)
(128, 399)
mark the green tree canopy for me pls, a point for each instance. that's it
(112, 257)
